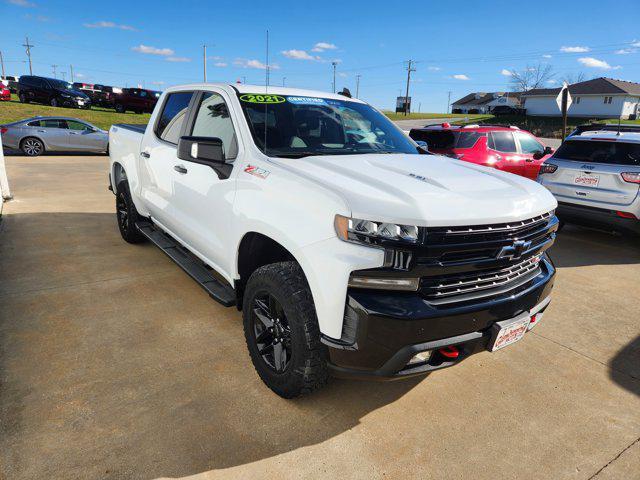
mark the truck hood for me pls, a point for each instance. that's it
(424, 190)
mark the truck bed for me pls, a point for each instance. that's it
(136, 127)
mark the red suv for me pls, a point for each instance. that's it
(5, 94)
(505, 148)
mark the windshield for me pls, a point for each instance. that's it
(593, 151)
(60, 84)
(294, 126)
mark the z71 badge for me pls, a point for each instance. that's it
(257, 171)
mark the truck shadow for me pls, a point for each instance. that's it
(625, 367)
(577, 246)
(115, 364)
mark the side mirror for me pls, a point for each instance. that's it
(204, 149)
(548, 150)
(423, 147)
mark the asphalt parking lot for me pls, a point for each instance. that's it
(114, 364)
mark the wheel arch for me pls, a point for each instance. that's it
(118, 173)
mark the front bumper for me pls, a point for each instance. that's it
(597, 218)
(389, 328)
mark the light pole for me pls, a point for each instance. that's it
(334, 75)
(358, 85)
(283, 80)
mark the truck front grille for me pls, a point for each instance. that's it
(467, 286)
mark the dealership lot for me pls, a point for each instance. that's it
(115, 364)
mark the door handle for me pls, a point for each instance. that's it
(180, 169)
(145, 154)
(42, 131)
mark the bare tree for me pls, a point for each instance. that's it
(572, 78)
(535, 76)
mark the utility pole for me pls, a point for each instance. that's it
(28, 46)
(2, 63)
(244, 79)
(54, 70)
(71, 70)
(64, 76)
(406, 97)
(334, 75)
(204, 58)
(358, 85)
(283, 80)
(449, 103)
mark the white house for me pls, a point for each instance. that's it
(598, 98)
(483, 102)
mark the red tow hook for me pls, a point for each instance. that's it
(449, 352)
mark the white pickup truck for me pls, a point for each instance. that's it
(349, 249)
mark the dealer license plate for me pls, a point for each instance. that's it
(508, 332)
(586, 180)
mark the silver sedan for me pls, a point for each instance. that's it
(37, 135)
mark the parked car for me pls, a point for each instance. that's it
(51, 91)
(106, 95)
(11, 82)
(5, 93)
(88, 89)
(137, 100)
(595, 176)
(37, 135)
(346, 249)
(506, 110)
(504, 148)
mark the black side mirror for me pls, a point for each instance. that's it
(201, 149)
(548, 150)
(423, 147)
(538, 155)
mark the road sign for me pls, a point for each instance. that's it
(559, 97)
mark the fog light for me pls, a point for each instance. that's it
(421, 357)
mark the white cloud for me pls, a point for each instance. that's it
(595, 63)
(552, 82)
(105, 24)
(625, 51)
(39, 18)
(178, 59)
(153, 50)
(157, 83)
(220, 64)
(635, 43)
(342, 74)
(214, 57)
(322, 46)
(299, 55)
(79, 75)
(507, 73)
(574, 49)
(21, 3)
(244, 63)
(434, 69)
(461, 76)
(546, 55)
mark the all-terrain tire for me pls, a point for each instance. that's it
(307, 368)
(127, 215)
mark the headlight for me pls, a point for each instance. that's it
(367, 231)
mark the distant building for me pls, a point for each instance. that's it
(483, 102)
(599, 98)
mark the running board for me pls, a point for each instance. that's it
(194, 267)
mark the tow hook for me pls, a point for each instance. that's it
(449, 352)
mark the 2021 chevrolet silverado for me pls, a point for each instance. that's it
(347, 250)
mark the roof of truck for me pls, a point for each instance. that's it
(261, 89)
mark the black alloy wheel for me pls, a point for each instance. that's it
(272, 332)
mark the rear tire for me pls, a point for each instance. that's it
(23, 99)
(32, 147)
(120, 108)
(281, 330)
(127, 215)
(54, 102)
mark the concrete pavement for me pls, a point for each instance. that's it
(114, 364)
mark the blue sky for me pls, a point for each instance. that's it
(459, 46)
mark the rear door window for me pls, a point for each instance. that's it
(529, 144)
(467, 139)
(593, 151)
(53, 123)
(502, 142)
(172, 117)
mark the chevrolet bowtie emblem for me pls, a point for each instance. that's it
(515, 251)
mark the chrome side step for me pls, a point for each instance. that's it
(216, 288)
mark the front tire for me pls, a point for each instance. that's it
(127, 215)
(120, 108)
(32, 147)
(23, 98)
(281, 330)
(54, 102)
